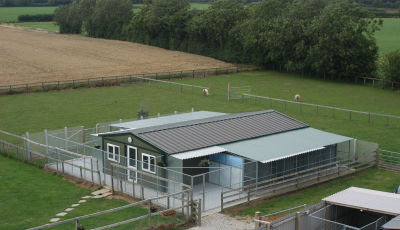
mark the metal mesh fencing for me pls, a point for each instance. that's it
(145, 214)
(288, 107)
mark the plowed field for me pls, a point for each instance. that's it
(28, 56)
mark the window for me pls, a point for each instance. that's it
(148, 163)
(113, 152)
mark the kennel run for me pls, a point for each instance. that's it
(210, 152)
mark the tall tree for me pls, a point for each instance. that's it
(345, 46)
(109, 17)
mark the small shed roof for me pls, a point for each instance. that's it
(197, 134)
(170, 119)
(283, 145)
(393, 223)
(367, 199)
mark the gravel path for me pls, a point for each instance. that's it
(218, 221)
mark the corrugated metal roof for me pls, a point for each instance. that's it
(282, 145)
(219, 130)
(366, 199)
(157, 121)
(393, 223)
(199, 153)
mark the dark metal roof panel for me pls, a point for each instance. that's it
(218, 130)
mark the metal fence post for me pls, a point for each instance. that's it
(204, 190)
(112, 178)
(199, 210)
(66, 137)
(91, 168)
(46, 136)
(222, 202)
(150, 214)
(27, 147)
(98, 171)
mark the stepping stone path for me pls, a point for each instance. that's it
(61, 214)
(96, 194)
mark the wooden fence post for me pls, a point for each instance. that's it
(257, 217)
(229, 91)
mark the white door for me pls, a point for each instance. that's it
(132, 163)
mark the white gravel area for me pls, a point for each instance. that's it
(218, 221)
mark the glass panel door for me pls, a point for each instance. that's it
(132, 163)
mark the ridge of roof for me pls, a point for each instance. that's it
(207, 120)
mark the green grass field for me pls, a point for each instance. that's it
(30, 197)
(388, 38)
(40, 25)
(54, 110)
(10, 14)
(199, 6)
(374, 178)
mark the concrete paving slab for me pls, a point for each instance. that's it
(101, 191)
(75, 205)
(61, 214)
(82, 201)
(69, 209)
(54, 220)
(102, 195)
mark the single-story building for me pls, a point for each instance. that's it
(357, 208)
(200, 142)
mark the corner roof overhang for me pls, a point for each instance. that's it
(367, 199)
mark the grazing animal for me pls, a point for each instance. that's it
(205, 92)
(297, 97)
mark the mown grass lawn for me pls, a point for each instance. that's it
(54, 110)
(374, 178)
(388, 38)
(29, 197)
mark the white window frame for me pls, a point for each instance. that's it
(149, 168)
(114, 158)
(128, 153)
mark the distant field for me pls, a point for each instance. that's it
(40, 25)
(10, 14)
(388, 38)
(200, 6)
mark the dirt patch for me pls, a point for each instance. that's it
(28, 56)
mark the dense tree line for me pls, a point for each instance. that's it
(36, 18)
(325, 38)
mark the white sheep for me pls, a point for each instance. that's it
(205, 92)
(297, 97)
